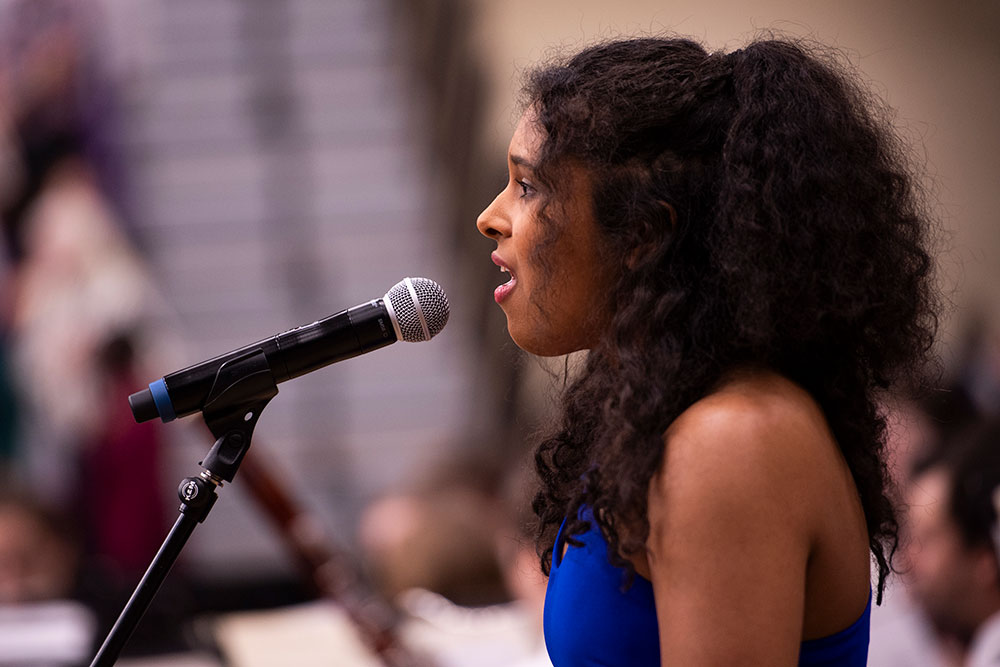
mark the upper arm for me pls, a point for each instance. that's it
(730, 535)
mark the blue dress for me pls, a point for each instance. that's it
(590, 622)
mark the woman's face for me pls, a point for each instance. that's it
(554, 300)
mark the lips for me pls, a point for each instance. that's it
(501, 292)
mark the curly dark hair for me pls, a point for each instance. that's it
(764, 214)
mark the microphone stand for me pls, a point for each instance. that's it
(243, 387)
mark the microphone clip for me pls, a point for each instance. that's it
(242, 388)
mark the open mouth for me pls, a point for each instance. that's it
(501, 292)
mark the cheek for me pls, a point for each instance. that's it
(544, 323)
(585, 282)
(564, 283)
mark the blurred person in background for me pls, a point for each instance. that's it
(901, 633)
(455, 553)
(952, 557)
(58, 202)
(437, 535)
(40, 623)
(56, 605)
(119, 486)
(56, 99)
(39, 551)
(73, 284)
(738, 242)
(76, 298)
(80, 303)
(79, 287)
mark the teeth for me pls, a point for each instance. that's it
(504, 269)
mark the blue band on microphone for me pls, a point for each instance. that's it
(162, 400)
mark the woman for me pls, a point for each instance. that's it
(736, 241)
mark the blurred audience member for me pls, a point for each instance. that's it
(79, 285)
(440, 541)
(951, 554)
(39, 555)
(920, 436)
(901, 635)
(120, 488)
(39, 565)
(457, 558)
(71, 282)
(55, 100)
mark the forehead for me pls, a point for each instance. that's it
(528, 137)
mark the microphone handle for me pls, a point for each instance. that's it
(342, 336)
(298, 351)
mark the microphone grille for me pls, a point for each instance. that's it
(420, 306)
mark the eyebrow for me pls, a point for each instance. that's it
(522, 162)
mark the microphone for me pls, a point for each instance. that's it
(414, 309)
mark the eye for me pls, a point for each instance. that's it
(526, 190)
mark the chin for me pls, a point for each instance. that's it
(542, 350)
(541, 345)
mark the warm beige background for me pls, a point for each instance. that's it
(937, 63)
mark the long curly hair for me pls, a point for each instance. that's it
(764, 214)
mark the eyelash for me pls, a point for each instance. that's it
(526, 189)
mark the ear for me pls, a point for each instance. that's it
(642, 252)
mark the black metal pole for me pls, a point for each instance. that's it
(144, 592)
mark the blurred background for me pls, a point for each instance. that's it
(181, 178)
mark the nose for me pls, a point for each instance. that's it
(492, 223)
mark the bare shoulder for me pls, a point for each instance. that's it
(733, 515)
(758, 443)
(758, 414)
